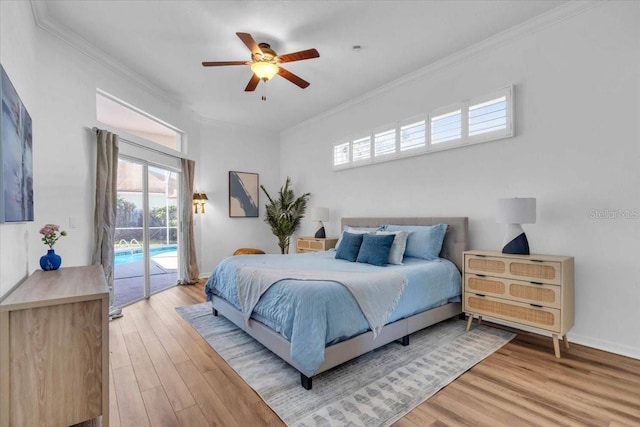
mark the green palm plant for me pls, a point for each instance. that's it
(285, 213)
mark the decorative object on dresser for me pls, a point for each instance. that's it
(313, 244)
(51, 261)
(54, 349)
(534, 290)
(513, 212)
(321, 215)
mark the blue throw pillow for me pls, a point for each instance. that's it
(349, 246)
(375, 249)
(425, 241)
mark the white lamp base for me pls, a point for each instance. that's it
(515, 241)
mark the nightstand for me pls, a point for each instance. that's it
(313, 244)
(532, 290)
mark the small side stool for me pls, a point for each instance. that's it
(248, 251)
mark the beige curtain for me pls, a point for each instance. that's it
(189, 273)
(105, 207)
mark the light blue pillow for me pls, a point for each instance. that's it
(375, 249)
(356, 230)
(425, 241)
(350, 246)
(398, 247)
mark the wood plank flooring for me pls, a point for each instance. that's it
(163, 373)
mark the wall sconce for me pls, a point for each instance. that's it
(199, 199)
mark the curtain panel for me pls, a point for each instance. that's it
(189, 273)
(105, 206)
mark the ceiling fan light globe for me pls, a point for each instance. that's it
(264, 70)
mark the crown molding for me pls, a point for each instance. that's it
(44, 21)
(547, 19)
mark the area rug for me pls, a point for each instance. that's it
(375, 389)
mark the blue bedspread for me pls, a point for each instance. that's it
(313, 314)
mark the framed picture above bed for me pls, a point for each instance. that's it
(243, 194)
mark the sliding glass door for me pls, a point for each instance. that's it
(146, 240)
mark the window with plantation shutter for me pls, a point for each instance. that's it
(384, 143)
(341, 154)
(446, 127)
(485, 118)
(412, 136)
(361, 149)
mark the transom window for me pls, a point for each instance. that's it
(482, 119)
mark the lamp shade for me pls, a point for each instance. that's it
(264, 70)
(319, 214)
(517, 210)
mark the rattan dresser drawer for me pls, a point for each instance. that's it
(515, 290)
(531, 290)
(537, 270)
(526, 314)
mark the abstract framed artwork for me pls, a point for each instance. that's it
(16, 156)
(243, 194)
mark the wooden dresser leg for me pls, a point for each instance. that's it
(469, 320)
(556, 345)
(566, 341)
(479, 320)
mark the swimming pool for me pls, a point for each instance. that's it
(128, 256)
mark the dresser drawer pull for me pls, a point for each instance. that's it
(481, 256)
(481, 275)
(536, 283)
(536, 260)
(535, 305)
(481, 295)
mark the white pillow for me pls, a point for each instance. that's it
(399, 245)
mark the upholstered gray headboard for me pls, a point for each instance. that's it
(456, 240)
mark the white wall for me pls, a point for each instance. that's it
(225, 149)
(576, 150)
(58, 86)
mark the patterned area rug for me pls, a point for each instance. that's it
(375, 389)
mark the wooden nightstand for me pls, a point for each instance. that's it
(532, 290)
(313, 244)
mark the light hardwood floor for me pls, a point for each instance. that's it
(163, 373)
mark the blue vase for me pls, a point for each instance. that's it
(50, 261)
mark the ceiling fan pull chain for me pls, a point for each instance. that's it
(264, 97)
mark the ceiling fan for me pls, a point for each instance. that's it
(265, 63)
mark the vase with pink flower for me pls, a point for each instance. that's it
(50, 235)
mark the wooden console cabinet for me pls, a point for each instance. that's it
(54, 349)
(531, 290)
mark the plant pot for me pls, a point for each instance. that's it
(50, 261)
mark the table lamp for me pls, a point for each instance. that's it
(320, 215)
(514, 212)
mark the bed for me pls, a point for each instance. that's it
(315, 328)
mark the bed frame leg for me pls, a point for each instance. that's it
(405, 340)
(215, 312)
(305, 381)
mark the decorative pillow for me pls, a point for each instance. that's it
(425, 241)
(375, 249)
(349, 247)
(357, 230)
(398, 247)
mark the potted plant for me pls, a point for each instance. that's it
(285, 213)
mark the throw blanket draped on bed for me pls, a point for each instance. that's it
(377, 294)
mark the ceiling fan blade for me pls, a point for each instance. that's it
(219, 63)
(253, 83)
(248, 40)
(298, 56)
(293, 78)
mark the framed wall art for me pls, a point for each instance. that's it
(16, 156)
(243, 194)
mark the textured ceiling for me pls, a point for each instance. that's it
(164, 42)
